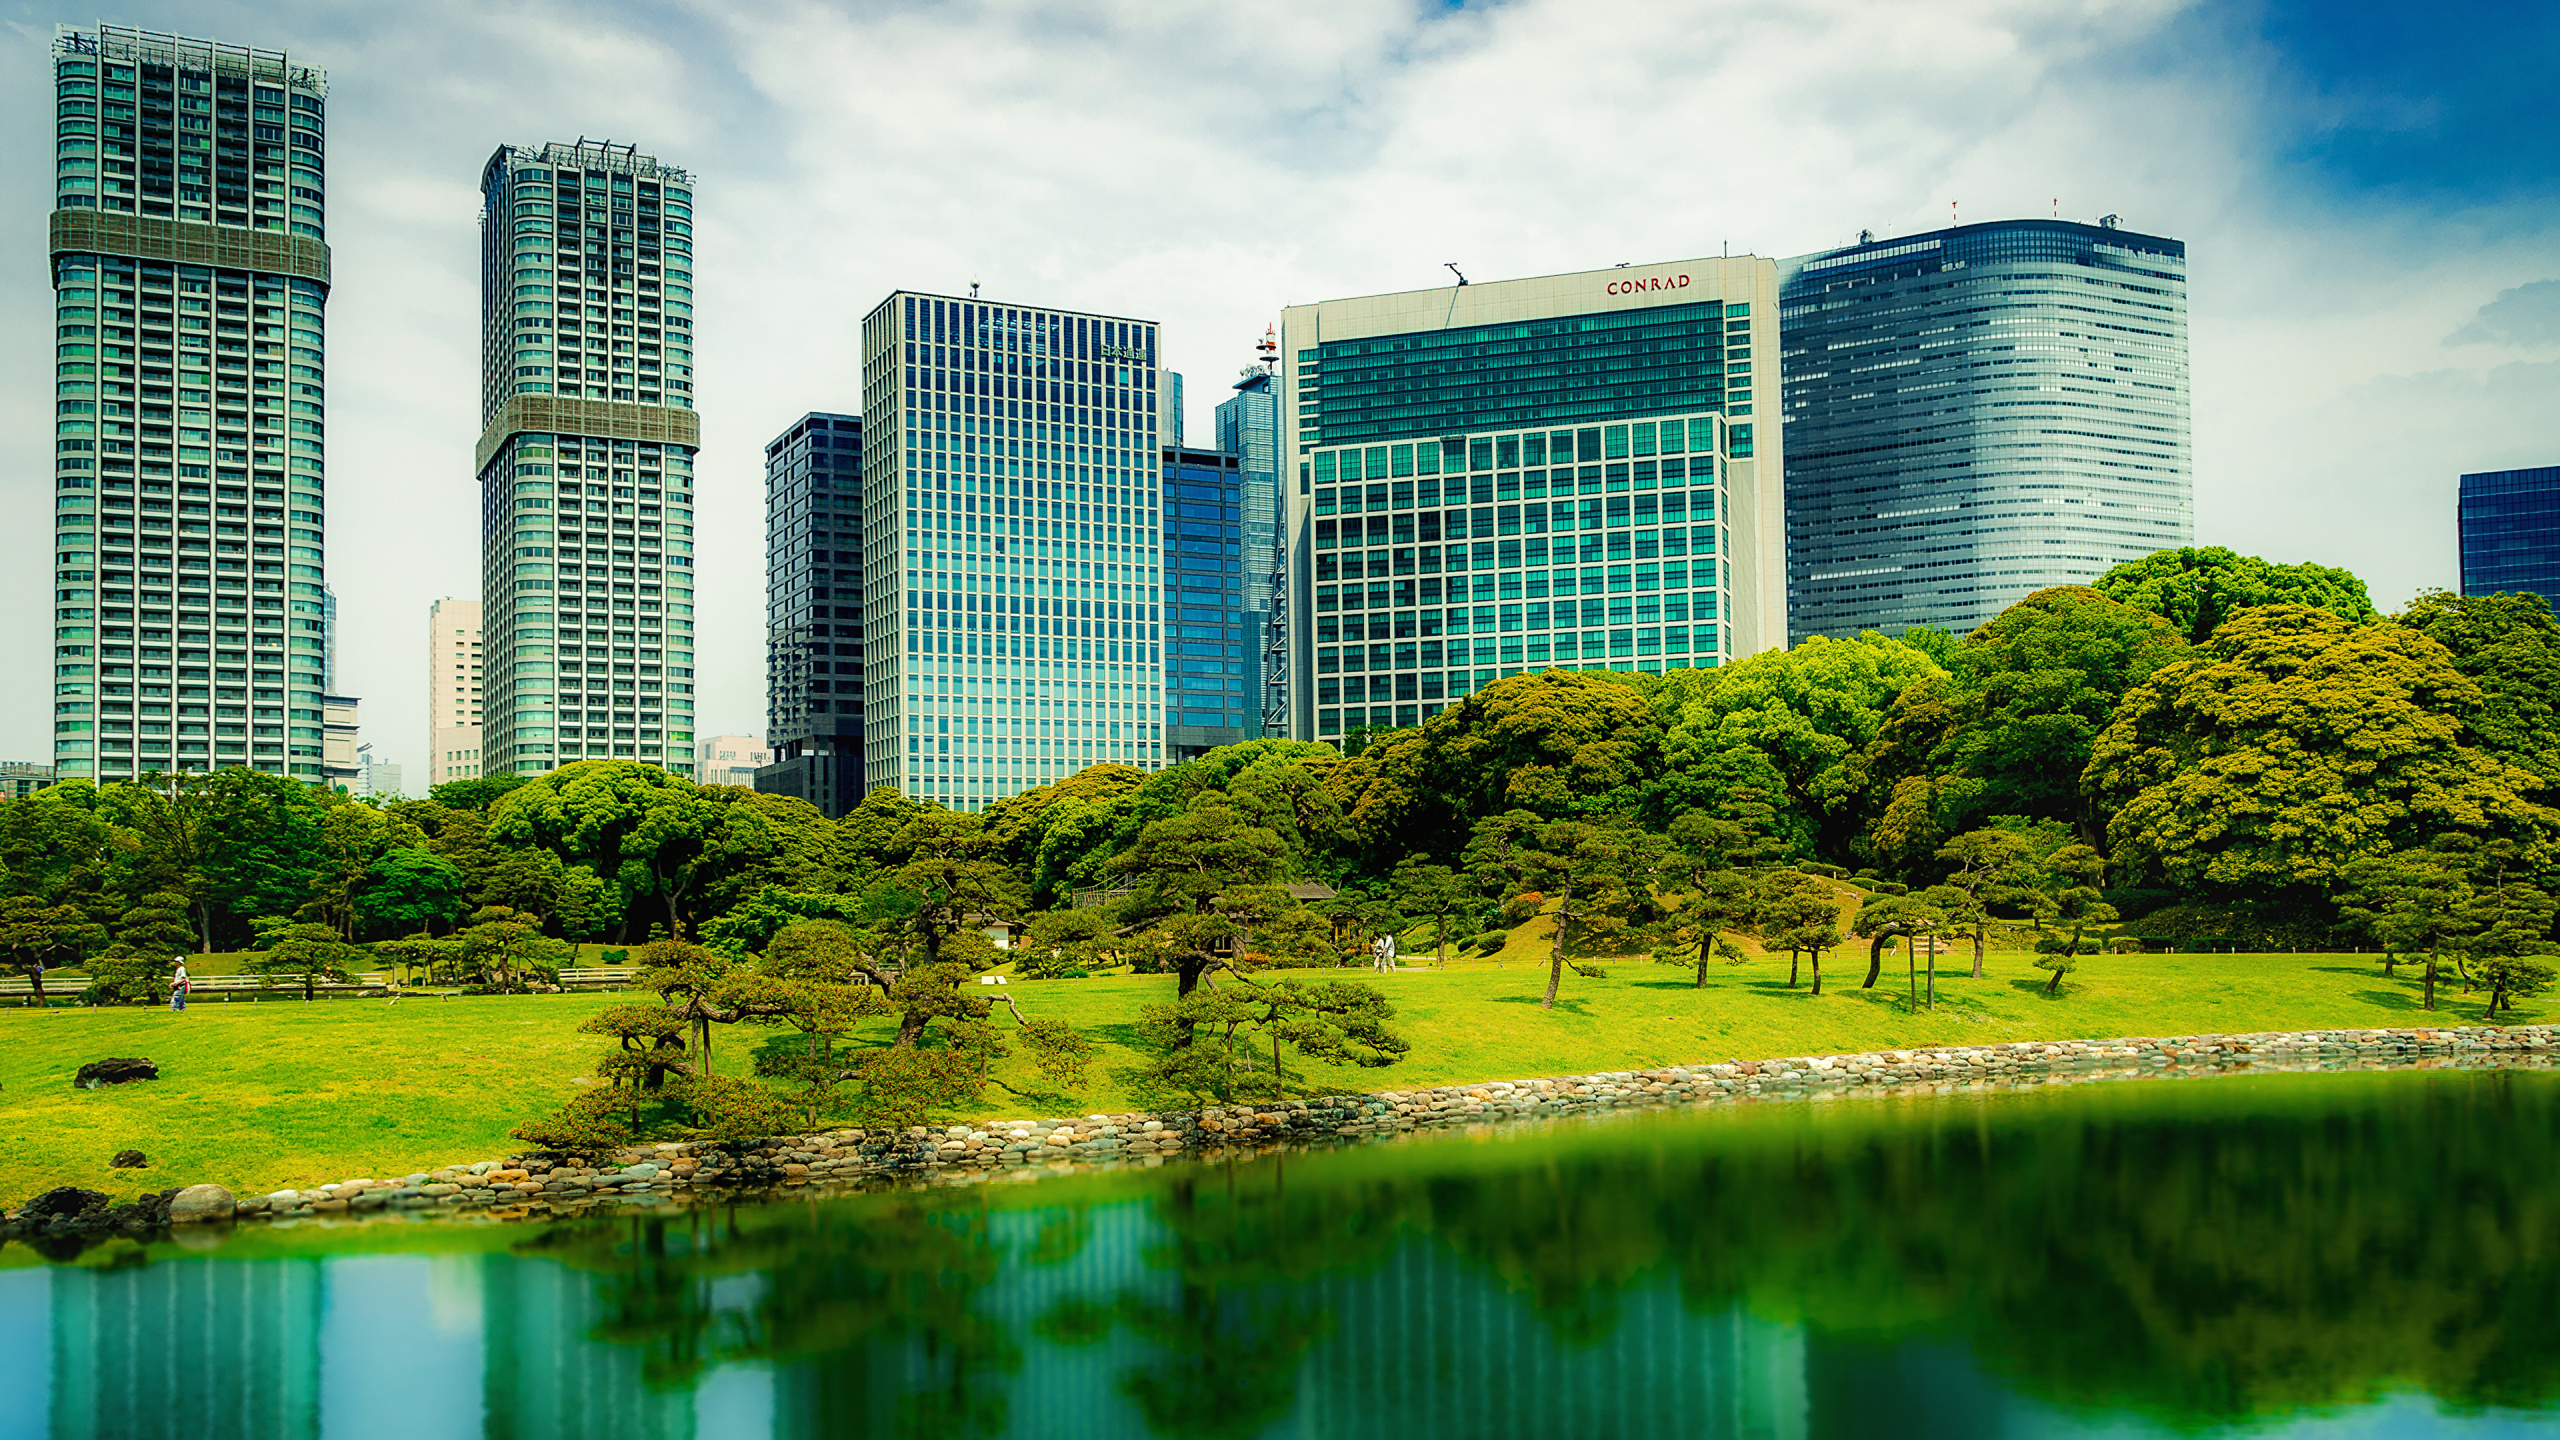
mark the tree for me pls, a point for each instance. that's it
(2509, 645)
(1800, 914)
(1432, 892)
(504, 951)
(2414, 900)
(1882, 919)
(1593, 880)
(306, 953)
(2199, 590)
(1203, 878)
(149, 937)
(2292, 743)
(2070, 895)
(1203, 1044)
(1991, 867)
(409, 890)
(36, 936)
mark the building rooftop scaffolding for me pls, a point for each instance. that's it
(602, 155)
(123, 42)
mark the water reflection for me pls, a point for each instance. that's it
(2303, 1255)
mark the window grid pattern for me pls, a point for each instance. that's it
(190, 415)
(1012, 568)
(1998, 410)
(813, 610)
(2510, 527)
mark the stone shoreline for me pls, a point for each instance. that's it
(541, 1186)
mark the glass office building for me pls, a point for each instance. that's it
(1011, 571)
(191, 278)
(1979, 413)
(1496, 478)
(1249, 429)
(586, 457)
(813, 612)
(1209, 637)
(2510, 525)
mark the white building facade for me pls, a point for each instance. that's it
(455, 687)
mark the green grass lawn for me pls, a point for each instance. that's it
(281, 1093)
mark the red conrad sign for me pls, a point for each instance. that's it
(1653, 282)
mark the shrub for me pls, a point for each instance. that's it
(1491, 940)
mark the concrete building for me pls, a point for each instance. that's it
(586, 456)
(813, 612)
(342, 759)
(1210, 641)
(1977, 413)
(454, 690)
(730, 760)
(1249, 429)
(374, 779)
(2510, 526)
(1494, 478)
(190, 269)
(22, 778)
(1011, 570)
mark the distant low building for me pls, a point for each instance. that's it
(22, 778)
(730, 760)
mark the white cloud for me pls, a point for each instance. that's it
(1205, 164)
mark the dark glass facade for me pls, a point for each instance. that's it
(813, 612)
(1660, 360)
(1249, 429)
(1210, 640)
(2510, 522)
(1976, 414)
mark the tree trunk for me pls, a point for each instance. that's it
(35, 987)
(1555, 958)
(1911, 964)
(1440, 934)
(2054, 985)
(910, 1029)
(1977, 951)
(2431, 978)
(1795, 966)
(1933, 972)
(1705, 946)
(1875, 960)
(1817, 972)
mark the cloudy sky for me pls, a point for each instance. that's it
(2368, 196)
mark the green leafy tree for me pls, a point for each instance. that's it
(2292, 743)
(2199, 590)
(2070, 901)
(1208, 1043)
(37, 936)
(1203, 879)
(1437, 893)
(2509, 645)
(2414, 901)
(149, 937)
(1704, 867)
(1987, 867)
(1884, 919)
(1593, 881)
(505, 951)
(409, 890)
(304, 953)
(1800, 914)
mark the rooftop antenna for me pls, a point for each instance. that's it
(1452, 267)
(1267, 351)
(973, 289)
(1951, 214)
(1866, 237)
(2057, 207)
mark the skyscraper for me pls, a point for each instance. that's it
(455, 687)
(1560, 471)
(1011, 573)
(586, 456)
(1209, 639)
(1249, 429)
(191, 272)
(1978, 413)
(2510, 524)
(813, 612)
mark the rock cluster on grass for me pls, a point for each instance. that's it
(120, 1071)
(522, 1186)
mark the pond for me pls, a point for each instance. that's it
(2358, 1254)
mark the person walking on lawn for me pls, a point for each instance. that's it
(178, 988)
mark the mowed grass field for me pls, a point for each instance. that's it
(282, 1093)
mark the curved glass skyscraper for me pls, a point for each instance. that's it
(1976, 414)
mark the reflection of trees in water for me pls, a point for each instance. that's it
(2200, 1251)
(879, 1300)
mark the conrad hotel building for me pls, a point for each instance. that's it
(1566, 471)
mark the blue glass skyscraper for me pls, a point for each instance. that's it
(2510, 522)
(813, 612)
(1249, 429)
(1209, 638)
(1978, 413)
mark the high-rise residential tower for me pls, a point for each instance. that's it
(455, 688)
(1209, 638)
(1508, 476)
(586, 456)
(1978, 413)
(191, 275)
(1011, 574)
(1249, 429)
(2510, 528)
(813, 612)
